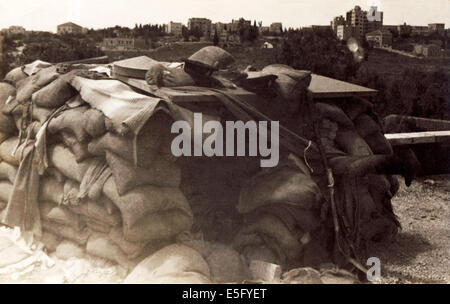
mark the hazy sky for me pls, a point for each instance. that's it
(46, 14)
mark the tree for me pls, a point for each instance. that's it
(185, 33)
(216, 38)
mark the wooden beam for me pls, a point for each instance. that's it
(414, 138)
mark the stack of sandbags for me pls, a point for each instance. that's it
(282, 212)
(93, 193)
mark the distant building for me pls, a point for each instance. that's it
(203, 24)
(276, 27)
(121, 44)
(219, 27)
(343, 32)
(175, 28)
(264, 29)
(235, 23)
(380, 38)
(69, 28)
(339, 20)
(14, 29)
(391, 28)
(419, 30)
(357, 19)
(439, 27)
(321, 27)
(429, 50)
(374, 19)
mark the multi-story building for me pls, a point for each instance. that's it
(374, 19)
(429, 50)
(264, 29)
(380, 38)
(69, 28)
(357, 19)
(219, 27)
(123, 43)
(339, 20)
(203, 24)
(439, 27)
(174, 28)
(276, 27)
(343, 32)
(14, 29)
(235, 23)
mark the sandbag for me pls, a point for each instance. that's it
(6, 150)
(281, 184)
(56, 93)
(268, 231)
(379, 144)
(131, 249)
(64, 161)
(36, 66)
(50, 241)
(71, 120)
(51, 190)
(145, 200)
(7, 124)
(162, 76)
(380, 189)
(96, 226)
(79, 149)
(67, 232)
(352, 143)
(366, 125)
(153, 139)
(100, 245)
(7, 172)
(65, 216)
(158, 226)
(353, 108)
(291, 84)
(28, 86)
(5, 190)
(97, 212)
(15, 75)
(174, 264)
(162, 173)
(333, 113)
(94, 123)
(226, 265)
(4, 137)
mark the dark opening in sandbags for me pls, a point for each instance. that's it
(162, 173)
(79, 149)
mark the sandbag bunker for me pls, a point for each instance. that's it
(86, 156)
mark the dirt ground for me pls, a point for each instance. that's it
(419, 254)
(421, 251)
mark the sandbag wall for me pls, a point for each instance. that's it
(92, 192)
